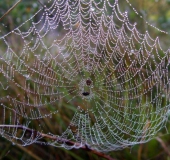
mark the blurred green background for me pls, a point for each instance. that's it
(157, 12)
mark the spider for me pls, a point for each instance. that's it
(85, 93)
(88, 82)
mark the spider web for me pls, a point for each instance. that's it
(87, 54)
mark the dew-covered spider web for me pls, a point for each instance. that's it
(84, 58)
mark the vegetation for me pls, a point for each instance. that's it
(156, 13)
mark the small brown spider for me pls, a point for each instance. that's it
(88, 82)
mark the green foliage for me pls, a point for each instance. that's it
(23, 11)
(156, 13)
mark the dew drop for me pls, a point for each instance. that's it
(92, 9)
(131, 52)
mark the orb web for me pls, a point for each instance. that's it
(87, 54)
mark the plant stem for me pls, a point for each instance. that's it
(164, 146)
(84, 147)
(10, 9)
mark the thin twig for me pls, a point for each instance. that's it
(68, 142)
(163, 145)
(40, 3)
(145, 129)
(29, 152)
(10, 9)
